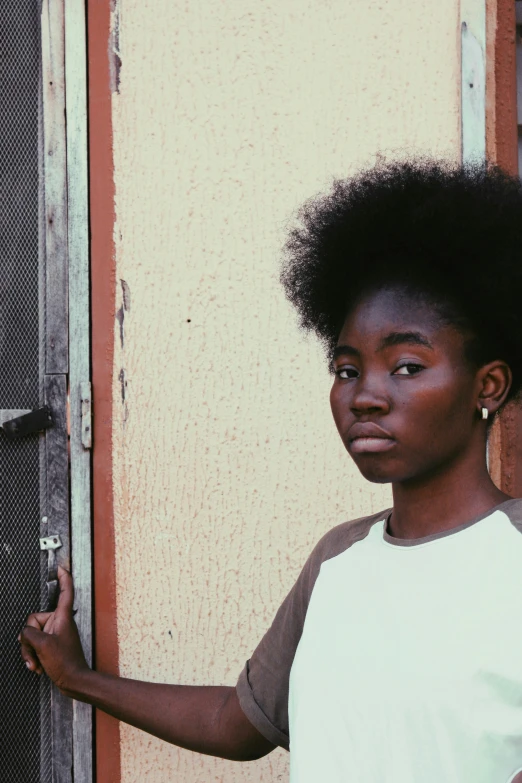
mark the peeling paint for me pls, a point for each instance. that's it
(120, 314)
(120, 317)
(123, 381)
(114, 47)
(126, 295)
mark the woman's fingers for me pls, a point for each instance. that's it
(29, 641)
(66, 595)
(30, 657)
(36, 620)
(50, 641)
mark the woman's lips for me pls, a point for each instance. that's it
(360, 445)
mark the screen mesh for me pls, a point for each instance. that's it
(25, 747)
(19, 225)
(25, 698)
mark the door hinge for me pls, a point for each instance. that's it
(85, 392)
(29, 423)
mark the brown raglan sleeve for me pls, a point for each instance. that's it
(263, 684)
(262, 687)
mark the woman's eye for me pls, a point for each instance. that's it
(409, 369)
(345, 373)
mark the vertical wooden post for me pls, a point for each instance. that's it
(58, 509)
(55, 186)
(79, 361)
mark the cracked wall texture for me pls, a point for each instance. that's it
(227, 464)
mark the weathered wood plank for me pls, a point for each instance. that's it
(53, 87)
(56, 446)
(57, 460)
(62, 737)
(473, 80)
(79, 361)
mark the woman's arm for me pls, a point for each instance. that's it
(206, 719)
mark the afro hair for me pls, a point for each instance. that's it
(452, 233)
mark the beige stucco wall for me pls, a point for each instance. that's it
(228, 467)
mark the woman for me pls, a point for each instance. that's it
(397, 655)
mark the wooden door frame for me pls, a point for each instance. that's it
(80, 426)
(65, 346)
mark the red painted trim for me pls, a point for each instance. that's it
(502, 149)
(506, 133)
(103, 282)
(501, 85)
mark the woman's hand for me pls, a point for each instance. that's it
(50, 640)
(202, 718)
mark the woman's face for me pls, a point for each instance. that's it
(404, 399)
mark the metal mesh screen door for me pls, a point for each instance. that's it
(35, 719)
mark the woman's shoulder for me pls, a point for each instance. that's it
(344, 535)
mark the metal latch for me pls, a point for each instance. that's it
(34, 421)
(51, 543)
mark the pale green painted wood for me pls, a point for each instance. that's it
(473, 80)
(79, 360)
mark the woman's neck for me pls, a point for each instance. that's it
(428, 505)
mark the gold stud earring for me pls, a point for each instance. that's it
(485, 413)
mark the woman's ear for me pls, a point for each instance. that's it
(494, 381)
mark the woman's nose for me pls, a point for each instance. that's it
(369, 395)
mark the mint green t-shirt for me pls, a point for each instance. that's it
(398, 660)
